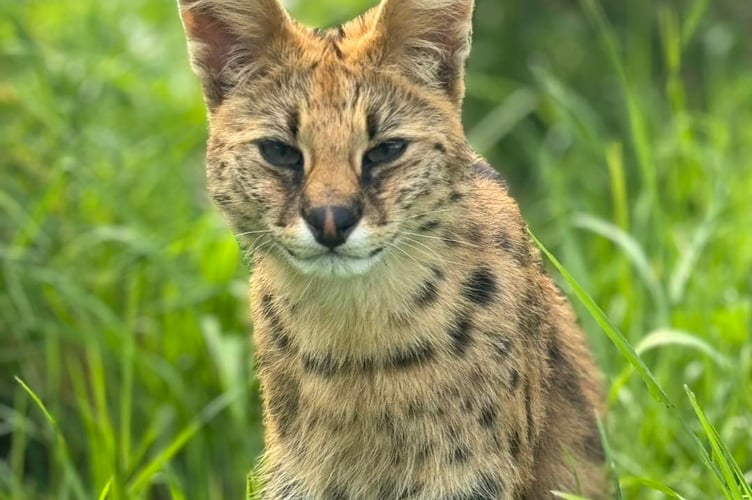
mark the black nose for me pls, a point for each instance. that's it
(332, 225)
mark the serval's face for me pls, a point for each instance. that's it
(332, 148)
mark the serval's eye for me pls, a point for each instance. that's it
(386, 152)
(280, 154)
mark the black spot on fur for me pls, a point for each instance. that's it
(222, 166)
(438, 273)
(223, 200)
(387, 490)
(592, 446)
(283, 400)
(520, 251)
(503, 241)
(336, 492)
(456, 197)
(416, 355)
(324, 366)
(327, 366)
(530, 314)
(460, 334)
(424, 452)
(429, 226)
(488, 416)
(439, 147)
(450, 239)
(485, 171)
(565, 378)
(514, 381)
(278, 334)
(460, 455)
(514, 444)
(453, 433)
(531, 430)
(480, 287)
(555, 357)
(428, 294)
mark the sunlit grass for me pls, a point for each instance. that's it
(123, 308)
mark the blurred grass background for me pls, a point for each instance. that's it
(624, 128)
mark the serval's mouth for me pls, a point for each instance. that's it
(335, 262)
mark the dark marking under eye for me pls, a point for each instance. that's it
(372, 126)
(293, 123)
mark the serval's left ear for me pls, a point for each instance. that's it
(228, 40)
(429, 40)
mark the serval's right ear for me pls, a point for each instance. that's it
(228, 38)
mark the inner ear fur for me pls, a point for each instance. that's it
(427, 40)
(228, 38)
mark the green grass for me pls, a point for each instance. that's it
(625, 129)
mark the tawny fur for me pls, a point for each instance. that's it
(452, 369)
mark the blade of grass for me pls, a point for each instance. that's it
(613, 333)
(609, 457)
(142, 478)
(62, 448)
(567, 496)
(634, 253)
(732, 473)
(106, 490)
(655, 486)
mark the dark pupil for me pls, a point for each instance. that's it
(280, 154)
(386, 152)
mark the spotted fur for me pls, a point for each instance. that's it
(433, 358)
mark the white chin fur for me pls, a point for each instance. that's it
(335, 265)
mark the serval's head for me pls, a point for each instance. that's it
(332, 148)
